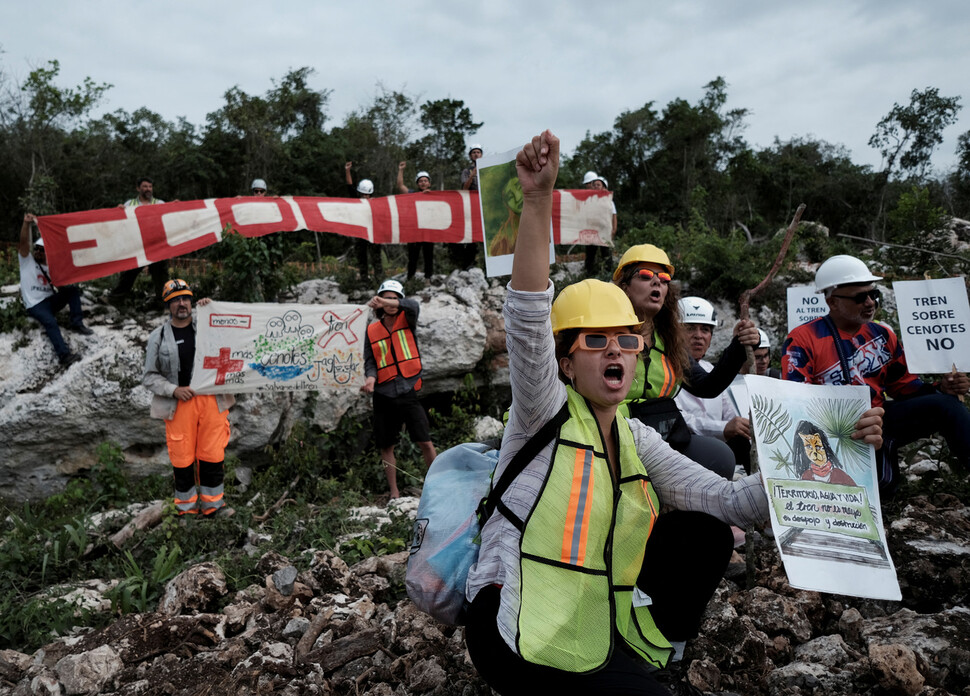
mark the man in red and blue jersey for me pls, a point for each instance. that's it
(848, 347)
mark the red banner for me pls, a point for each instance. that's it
(96, 243)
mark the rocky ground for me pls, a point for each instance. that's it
(334, 629)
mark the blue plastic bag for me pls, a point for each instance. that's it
(445, 541)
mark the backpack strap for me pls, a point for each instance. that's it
(839, 349)
(529, 450)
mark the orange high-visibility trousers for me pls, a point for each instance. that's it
(198, 432)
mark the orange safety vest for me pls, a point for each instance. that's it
(396, 352)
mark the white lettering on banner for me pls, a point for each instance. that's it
(433, 215)
(395, 217)
(96, 243)
(256, 214)
(188, 225)
(355, 213)
(104, 242)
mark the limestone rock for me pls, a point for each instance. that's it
(195, 588)
(88, 672)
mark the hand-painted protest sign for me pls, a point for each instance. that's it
(822, 487)
(934, 316)
(278, 347)
(804, 305)
(96, 243)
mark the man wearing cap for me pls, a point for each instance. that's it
(42, 300)
(848, 347)
(196, 425)
(362, 247)
(392, 365)
(426, 249)
(594, 182)
(158, 270)
(463, 255)
(258, 188)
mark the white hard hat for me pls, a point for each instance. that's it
(697, 310)
(606, 184)
(391, 286)
(763, 341)
(842, 270)
(257, 184)
(365, 186)
(39, 242)
(590, 176)
(420, 174)
(476, 146)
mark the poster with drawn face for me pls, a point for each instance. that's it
(822, 486)
(278, 347)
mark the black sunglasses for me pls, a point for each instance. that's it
(861, 297)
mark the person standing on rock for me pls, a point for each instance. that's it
(42, 300)
(392, 366)
(415, 249)
(157, 269)
(595, 182)
(362, 247)
(463, 255)
(196, 425)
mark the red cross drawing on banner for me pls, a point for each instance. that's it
(339, 326)
(222, 365)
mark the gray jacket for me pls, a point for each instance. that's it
(161, 375)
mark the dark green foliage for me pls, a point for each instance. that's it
(253, 269)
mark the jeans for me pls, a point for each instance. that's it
(913, 419)
(45, 312)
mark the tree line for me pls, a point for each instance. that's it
(682, 165)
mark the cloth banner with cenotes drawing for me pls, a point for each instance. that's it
(243, 347)
(96, 243)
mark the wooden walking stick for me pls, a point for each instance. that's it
(745, 314)
(785, 244)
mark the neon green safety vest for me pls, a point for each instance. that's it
(582, 549)
(653, 378)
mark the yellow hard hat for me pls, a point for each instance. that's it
(592, 304)
(643, 253)
(175, 288)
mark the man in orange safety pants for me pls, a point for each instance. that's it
(196, 425)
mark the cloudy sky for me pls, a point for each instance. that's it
(829, 69)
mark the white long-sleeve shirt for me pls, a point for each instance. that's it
(706, 416)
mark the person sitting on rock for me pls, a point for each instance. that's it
(42, 300)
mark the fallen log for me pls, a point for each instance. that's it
(147, 518)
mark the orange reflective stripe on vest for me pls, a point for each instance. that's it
(578, 511)
(395, 351)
